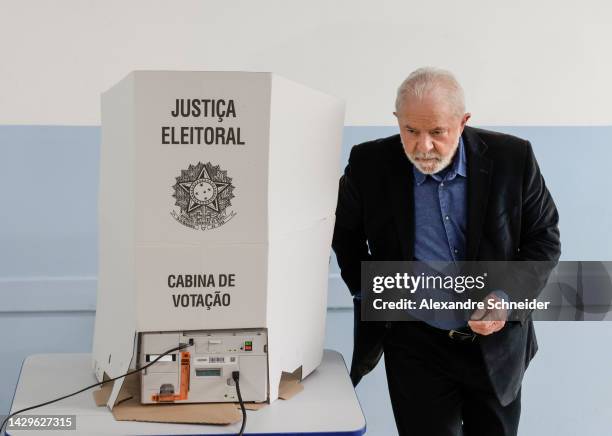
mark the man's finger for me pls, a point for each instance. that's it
(486, 328)
(479, 327)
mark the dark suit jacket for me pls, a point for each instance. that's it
(511, 216)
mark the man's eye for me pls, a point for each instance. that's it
(436, 132)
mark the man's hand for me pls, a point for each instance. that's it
(488, 321)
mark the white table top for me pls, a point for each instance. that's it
(327, 405)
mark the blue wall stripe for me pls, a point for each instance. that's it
(49, 185)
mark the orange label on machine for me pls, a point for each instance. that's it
(183, 393)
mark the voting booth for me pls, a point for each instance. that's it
(216, 210)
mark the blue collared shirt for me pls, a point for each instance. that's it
(440, 215)
(440, 211)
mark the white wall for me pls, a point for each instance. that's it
(522, 62)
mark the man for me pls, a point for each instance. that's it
(443, 191)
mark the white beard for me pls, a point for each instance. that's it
(430, 167)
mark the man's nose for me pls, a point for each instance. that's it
(424, 145)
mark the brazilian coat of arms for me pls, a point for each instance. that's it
(203, 192)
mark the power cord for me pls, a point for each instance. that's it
(236, 377)
(180, 347)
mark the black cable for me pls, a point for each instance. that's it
(236, 377)
(180, 347)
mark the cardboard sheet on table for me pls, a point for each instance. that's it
(290, 385)
(128, 407)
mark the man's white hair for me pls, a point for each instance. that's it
(427, 79)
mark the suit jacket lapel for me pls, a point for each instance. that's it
(401, 195)
(480, 171)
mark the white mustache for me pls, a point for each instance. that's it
(427, 156)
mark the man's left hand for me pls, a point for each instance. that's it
(488, 321)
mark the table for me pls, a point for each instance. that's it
(327, 405)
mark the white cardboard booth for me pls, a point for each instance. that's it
(216, 210)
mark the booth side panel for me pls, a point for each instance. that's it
(305, 144)
(115, 311)
(299, 265)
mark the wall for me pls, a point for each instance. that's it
(521, 63)
(533, 69)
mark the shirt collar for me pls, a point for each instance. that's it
(457, 167)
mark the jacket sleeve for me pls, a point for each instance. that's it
(349, 240)
(539, 246)
(539, 221)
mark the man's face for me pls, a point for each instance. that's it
(430, 131)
